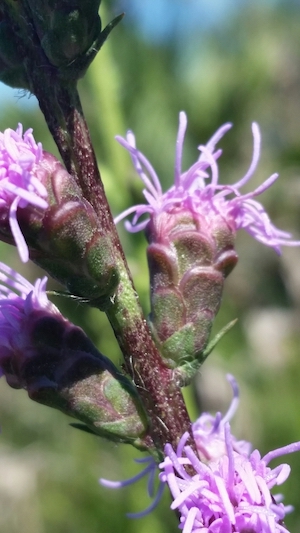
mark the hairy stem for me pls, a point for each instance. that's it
(161, 396)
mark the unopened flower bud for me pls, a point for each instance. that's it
(12, 71)
(57, 364)
(68, 32)
(191, 231)
(43, 212)
(187, 263)
(66, 29)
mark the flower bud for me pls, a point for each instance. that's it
(68, 32)
(58, 365)
(187, 264)
(12, 71)
(43, 212)
(66, 29)
(191, 231)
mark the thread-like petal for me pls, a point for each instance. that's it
(19, 188)
(198, 190)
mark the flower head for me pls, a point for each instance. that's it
(198, 191)
(229, 491)
(19, 187)
(54, 360)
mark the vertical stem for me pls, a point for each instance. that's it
(161, 395)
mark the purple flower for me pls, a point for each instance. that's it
(19, 187)
(229, 491)
(198, 191)
(21, 306)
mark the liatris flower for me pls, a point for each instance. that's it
(191, 230)
(229, 491)
(57, 364)
(209, 201)
(19, 186)
(43, 212)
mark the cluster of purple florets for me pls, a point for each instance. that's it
(198, 190)
(222, 486)
(21, 303)
(19, 186)
(229, 487)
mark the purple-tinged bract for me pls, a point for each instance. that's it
(54, 360)
(198, 191)
(230, 490)
(20, 156)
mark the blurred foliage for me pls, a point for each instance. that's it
(245, 70)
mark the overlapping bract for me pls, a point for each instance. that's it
(44, 353)
(44, 213)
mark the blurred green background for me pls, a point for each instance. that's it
(239, 65)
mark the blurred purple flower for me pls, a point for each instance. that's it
(209, 200)
(19, 188)
(230, 489)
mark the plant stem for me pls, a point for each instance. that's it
(162, 397)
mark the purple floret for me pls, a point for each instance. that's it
(199, 191)
(150, 471)
(16, 291)
(19, 188)
(229, 491)
(21, 303)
